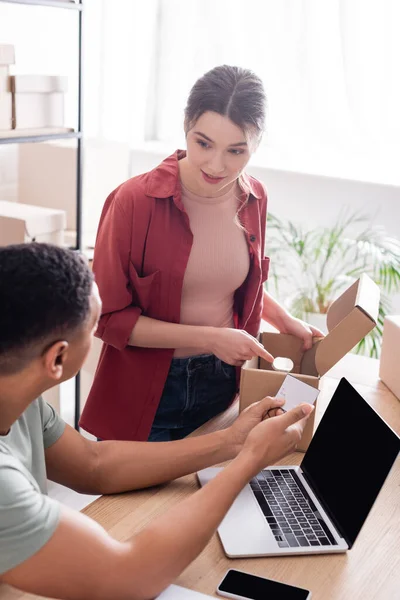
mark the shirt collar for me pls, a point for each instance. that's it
(163, 180)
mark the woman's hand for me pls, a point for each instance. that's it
(300, 329)
(235, 346)
(275, 314)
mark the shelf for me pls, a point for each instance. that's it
(20, 136)
(54, 3)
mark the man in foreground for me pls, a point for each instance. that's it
(49, 312)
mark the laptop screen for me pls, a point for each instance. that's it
(349, 458)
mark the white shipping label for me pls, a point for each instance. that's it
(296, 392)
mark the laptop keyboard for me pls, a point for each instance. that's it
(289, 511)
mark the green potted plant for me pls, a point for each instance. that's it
(310, 268)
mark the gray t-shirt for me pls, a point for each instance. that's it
(28, 517)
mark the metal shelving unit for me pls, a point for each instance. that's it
(17, 137)
(55, 3)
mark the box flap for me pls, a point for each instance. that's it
(350, 318)
(282, 345)
(39, 83)
(363, 293)
(37, 219)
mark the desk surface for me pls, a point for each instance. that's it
(369, 571)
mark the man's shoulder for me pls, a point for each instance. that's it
(15, 479)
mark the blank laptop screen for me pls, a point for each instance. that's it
(349, 458)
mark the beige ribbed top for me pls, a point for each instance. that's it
(218, 263)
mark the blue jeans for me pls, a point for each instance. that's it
(197, 389)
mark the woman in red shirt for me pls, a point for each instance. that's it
(179, 261)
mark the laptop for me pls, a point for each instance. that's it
(321, 505)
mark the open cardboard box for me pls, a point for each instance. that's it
(351, 317)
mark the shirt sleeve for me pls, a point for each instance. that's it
(114, 272)
(52, 424)
(28, 518)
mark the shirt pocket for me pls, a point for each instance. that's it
(264, 268)
(142, 287)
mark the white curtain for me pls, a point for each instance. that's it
(120, 67)
(330, 68)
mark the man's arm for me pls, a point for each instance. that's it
(82, 562)
(111, 466)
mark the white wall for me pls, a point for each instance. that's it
(311, 199)
(314, 200)
(317, 200)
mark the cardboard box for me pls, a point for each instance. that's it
(350, 318)
(7, 54)
(32, 110)
(38, 100)
(6, 114)
(389, 370)
(21, 223)
(5, 79)
(40, 84)
(6, 120)
(47, 177)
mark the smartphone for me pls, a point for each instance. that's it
(244, 586)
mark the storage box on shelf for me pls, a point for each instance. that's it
(389, 370)
(38, 100)
(21, 223)
(350, 318)
(7, 58)
(105, 164)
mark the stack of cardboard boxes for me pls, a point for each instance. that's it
(29, 101)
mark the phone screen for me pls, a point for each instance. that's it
(258, 588)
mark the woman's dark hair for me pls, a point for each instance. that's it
(232, 92)
(44, 296)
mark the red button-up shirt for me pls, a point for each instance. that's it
(142, 249)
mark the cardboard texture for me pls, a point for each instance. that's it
(21, 223)
(350, 318)
(389, 370)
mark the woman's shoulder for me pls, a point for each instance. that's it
(141, 190)
(254, 186)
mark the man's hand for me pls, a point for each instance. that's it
(275, 437)
(252, 416)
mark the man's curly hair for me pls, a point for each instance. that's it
(44, 296)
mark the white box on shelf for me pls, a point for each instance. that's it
(40, 84)
(5, 79)
(47, 176)
(38, 110)
(21, 223)
(6, 117)
(389, 370)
